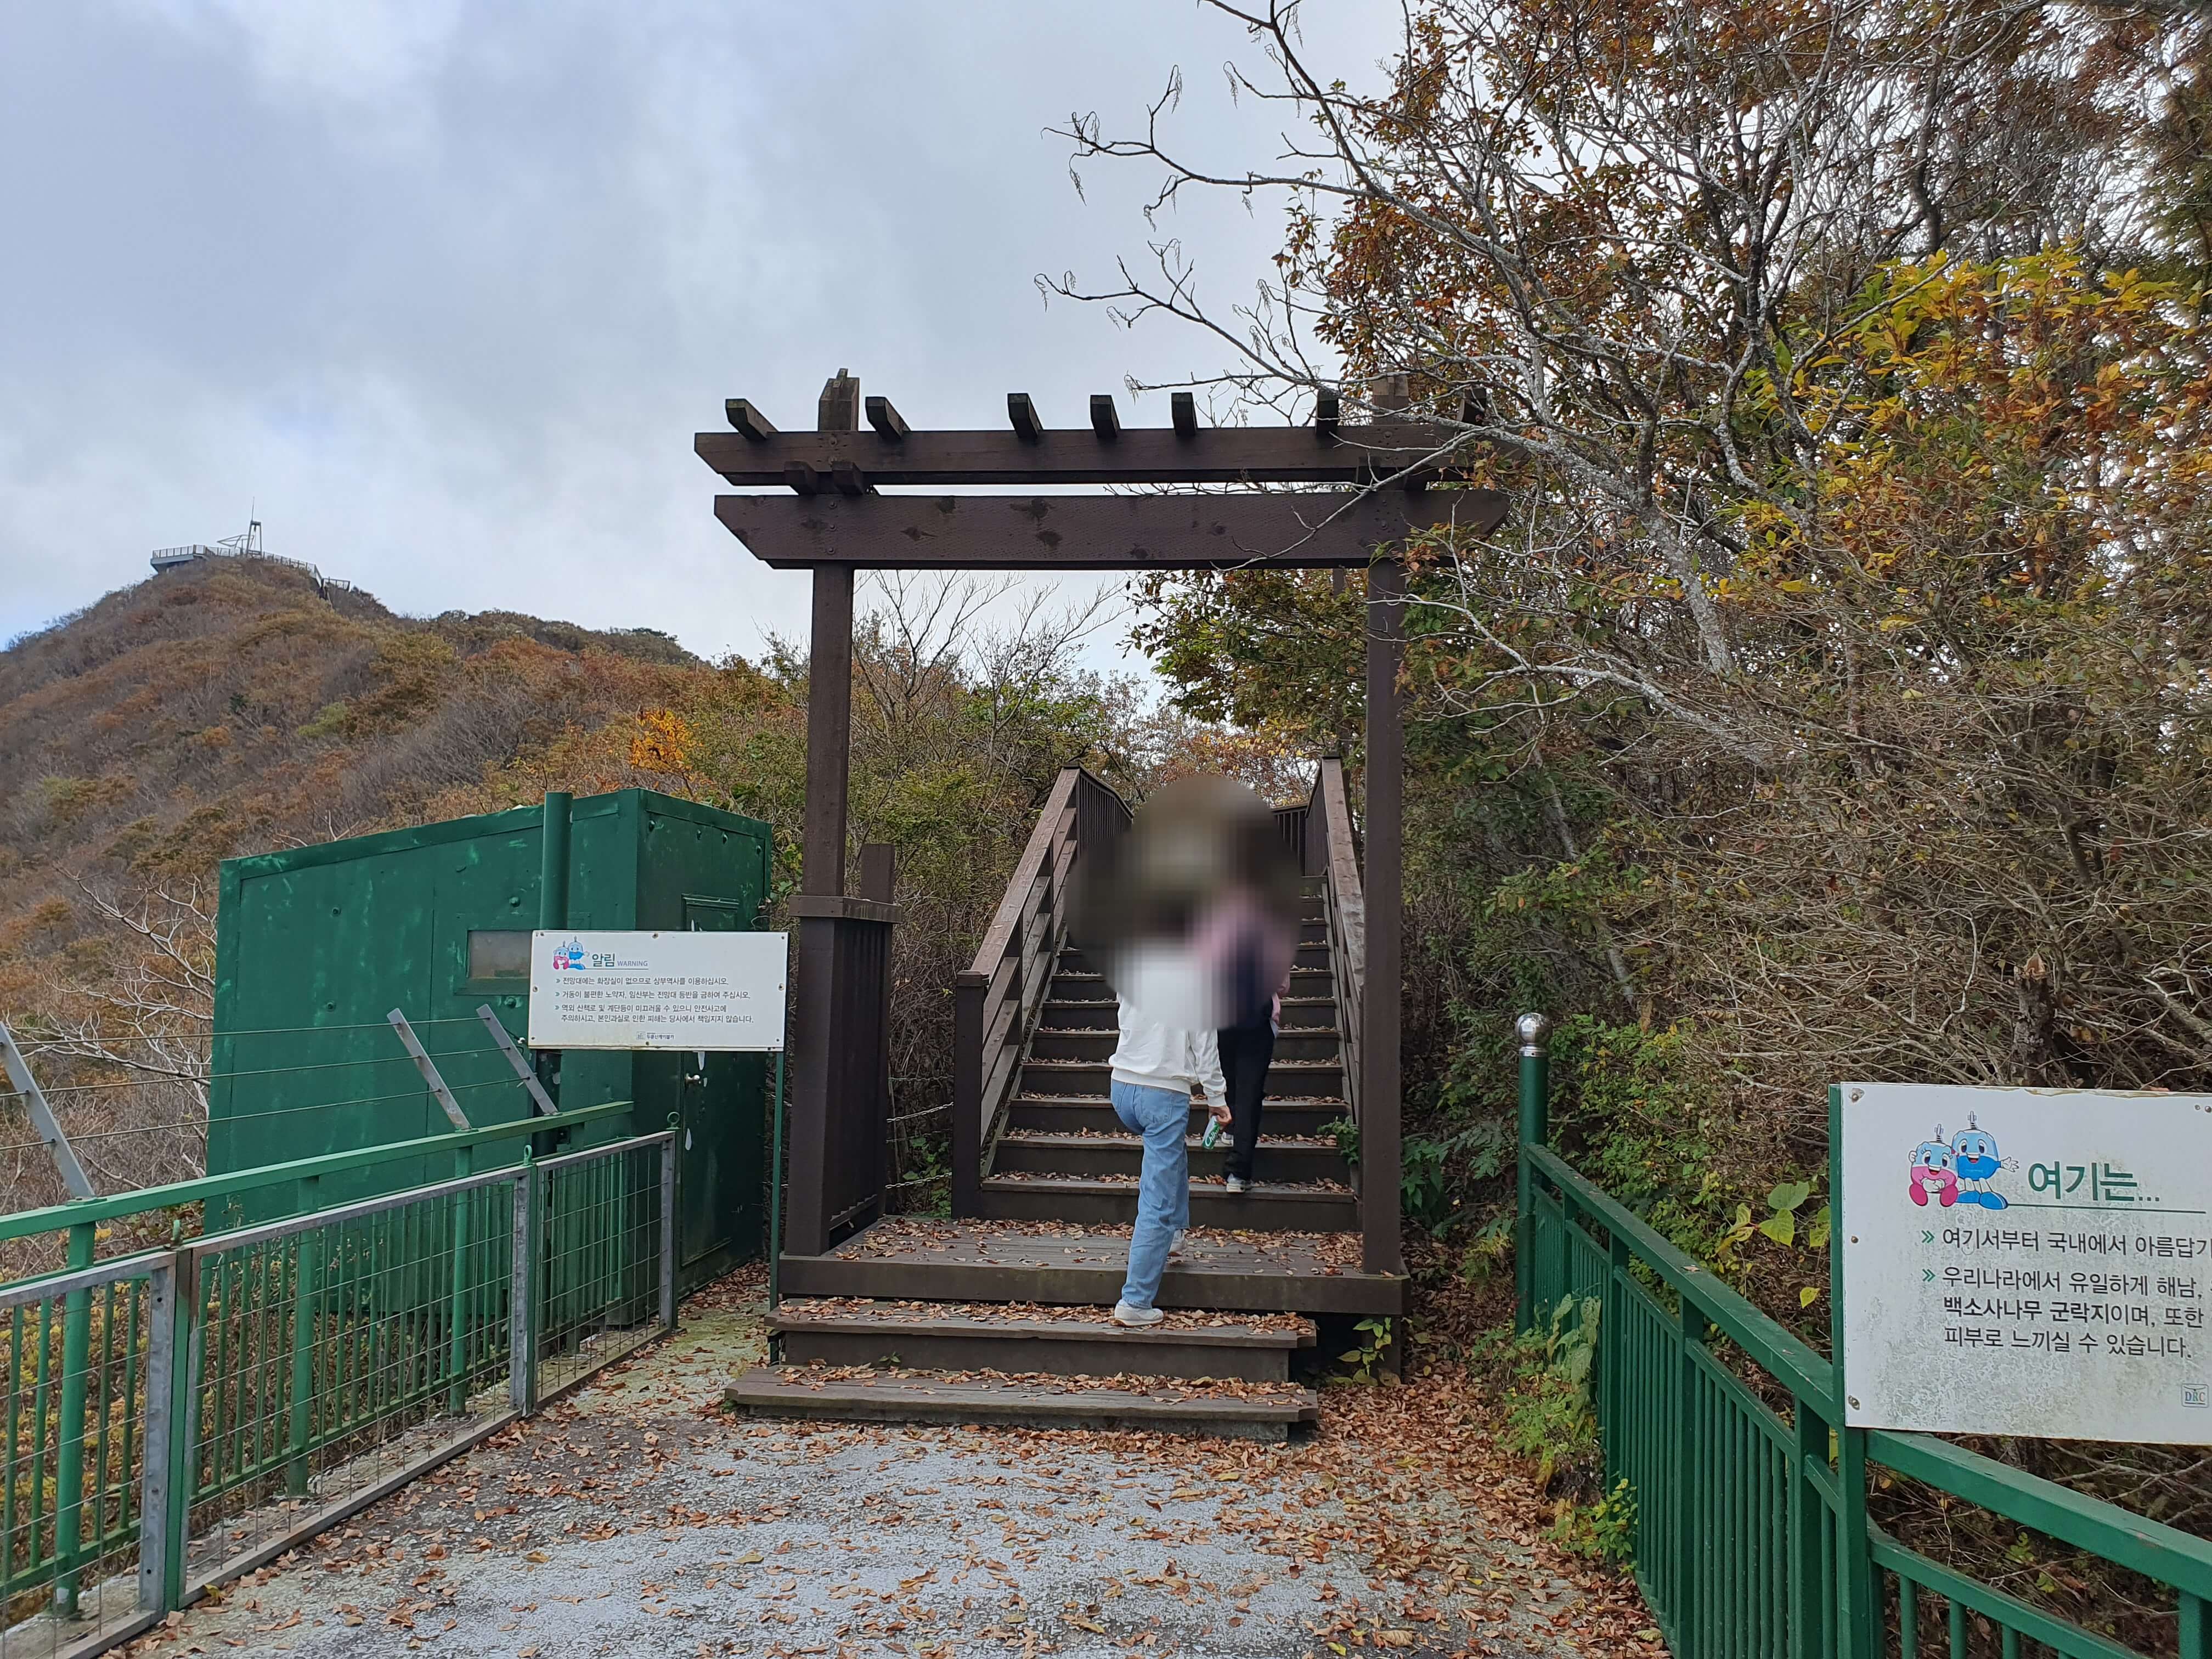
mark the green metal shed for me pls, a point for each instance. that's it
(315, 944)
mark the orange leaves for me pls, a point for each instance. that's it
(663, 742)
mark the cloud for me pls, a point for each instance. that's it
(442, 291)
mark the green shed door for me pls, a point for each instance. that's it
(720, 1144)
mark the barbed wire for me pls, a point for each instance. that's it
(261, 1071)
(279, 1111)
(295, 1030)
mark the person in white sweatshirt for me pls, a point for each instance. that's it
(1166, 1050)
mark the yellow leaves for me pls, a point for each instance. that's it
(663, 742)
(1892, 623)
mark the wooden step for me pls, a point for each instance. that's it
(1060, 1042)
(1093, 1077)
(1312, 952)
(1092, 1201)
(1276, 1158)
(1083, 1014)
(1032, 1339)
(1101, 1013)
(1075, 1113)
(1075, 984)
(916, 1258)
(1252, 1411)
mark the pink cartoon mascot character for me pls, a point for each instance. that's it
(1933, 1171)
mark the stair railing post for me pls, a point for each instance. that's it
(154, 1463)
(305, 1288)
(521, 1290)
(1534, 1033)
(1690, 1329)
(68, 1454)
(1810, 1616)
(187, 1345)
(1858, 1628)
(457, 1296)
(668, 1240)
(969, 1066)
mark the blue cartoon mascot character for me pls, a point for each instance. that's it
(1974, 1155)
(1932, 1172)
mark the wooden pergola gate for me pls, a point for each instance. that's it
(1366, 492)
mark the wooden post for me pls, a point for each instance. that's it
(1378, 1020)
(968, 1066)
(806, 1223)
(829, 734)
(879, 883)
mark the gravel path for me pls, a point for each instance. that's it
(638, 1518)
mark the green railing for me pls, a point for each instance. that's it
(251, 1388)
(1753, 1540)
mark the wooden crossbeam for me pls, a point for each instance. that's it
(1029, 455)
(1312, 529)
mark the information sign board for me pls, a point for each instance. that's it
(2027, 1261)
(705, 992)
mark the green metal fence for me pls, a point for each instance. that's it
(175, 1419)
(1751, 1535)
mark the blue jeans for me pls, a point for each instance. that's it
(1163, 1117)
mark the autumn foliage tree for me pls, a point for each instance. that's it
(1832, 703)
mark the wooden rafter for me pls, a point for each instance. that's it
(756, 456)
(1314, 530)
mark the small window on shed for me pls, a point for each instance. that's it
(499, 953)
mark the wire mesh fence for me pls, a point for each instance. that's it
(175, 1419)
(605, 1226)
(82, 1355)
(334, 1352)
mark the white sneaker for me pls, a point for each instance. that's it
(1125, 1315)
(1238, 1184)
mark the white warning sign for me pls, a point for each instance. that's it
(712, 992)
(2029, 1261)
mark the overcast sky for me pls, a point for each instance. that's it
(443, 290)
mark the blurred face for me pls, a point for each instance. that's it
(1193, 915)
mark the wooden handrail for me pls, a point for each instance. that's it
(1008, 915)
(1346, 906)
(998, 998)
(1343, 863)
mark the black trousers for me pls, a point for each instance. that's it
(1246, 1053)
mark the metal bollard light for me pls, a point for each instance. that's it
(1534, 1035)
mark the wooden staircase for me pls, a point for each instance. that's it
(1001, 1313)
